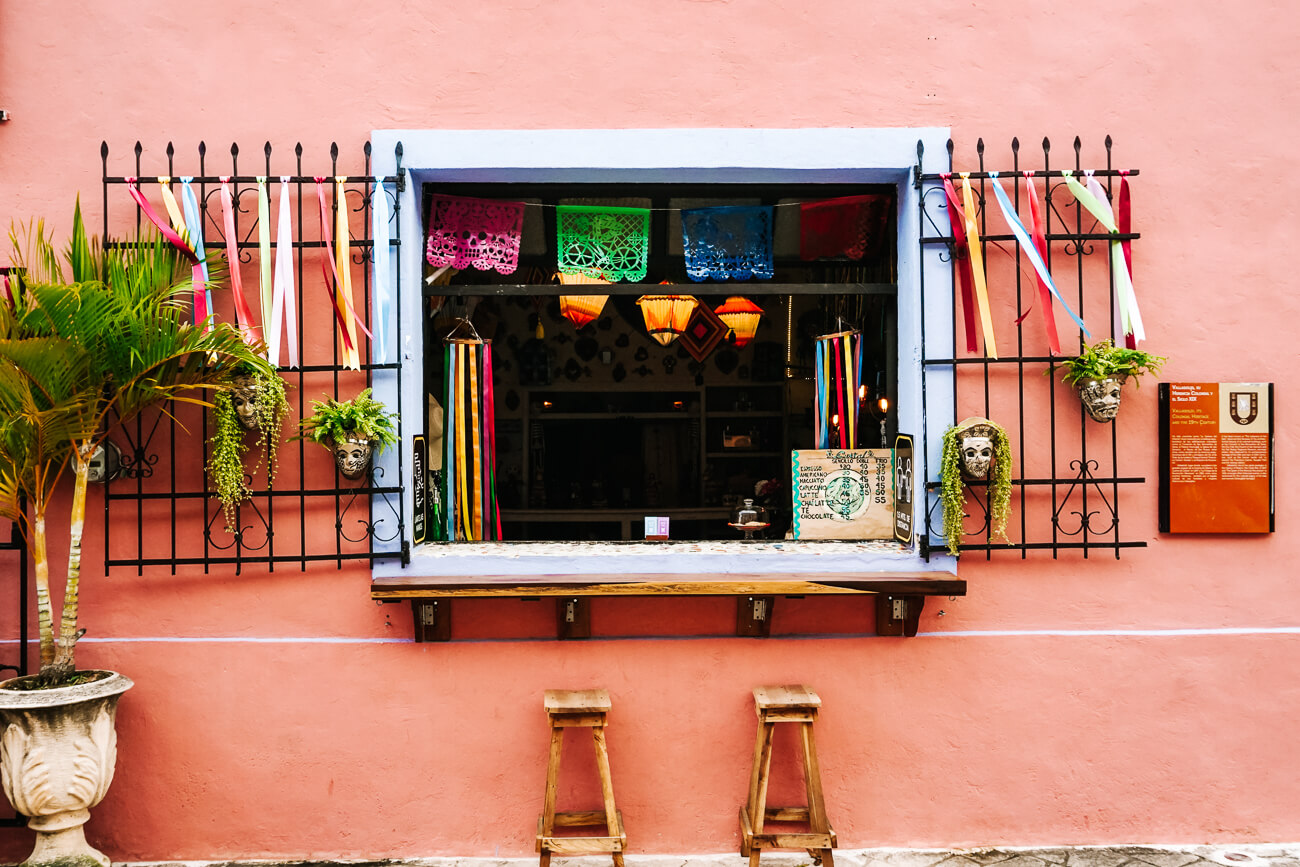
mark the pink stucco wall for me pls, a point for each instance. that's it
(327, 742)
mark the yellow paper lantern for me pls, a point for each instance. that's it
(666, 315)
(581, 309)
(741, 316)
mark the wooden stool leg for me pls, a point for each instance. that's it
(606, 782)
(758, 785)
(812, 777)
(552, 781)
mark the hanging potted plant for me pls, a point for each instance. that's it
(1099, 372)
(253, 402)
(353, 430)
(89, 340)
(975, 449)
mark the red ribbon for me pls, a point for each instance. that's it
(490, 415)
(1124, 222)
(196, 268)
(1040, 243)
(243, 315)
(839, 389)
(327, 264)
(963, 264)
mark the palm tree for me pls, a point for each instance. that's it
(94, 338)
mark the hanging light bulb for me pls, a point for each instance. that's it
(741, 315)
(581, 309)
(666, 315)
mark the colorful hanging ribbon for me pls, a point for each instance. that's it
(1047, 288)
(337, 268)
(243, 316)
(197, 274)
(449, 423)
(1093, 198)
(382, 263)
(977, 267)
(838, 374)
(1124, 221)
(284, 303)
(957, 218)
(264, 250)
(490, 416)
(194, 231)
(173, 209)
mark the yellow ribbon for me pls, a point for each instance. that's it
(476, 449)
(174, 210)
(977, 267)
(343, 264)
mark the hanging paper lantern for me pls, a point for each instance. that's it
(666, 315)
(581, 309)
(741, 316)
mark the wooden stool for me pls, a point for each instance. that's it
(779, 704)
(585, 708)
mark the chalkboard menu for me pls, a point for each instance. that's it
(842, 494)
(1216, 457)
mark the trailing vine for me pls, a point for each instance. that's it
(952, 489)
(226, 463)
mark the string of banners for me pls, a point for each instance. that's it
(277, 293)
(613, 243)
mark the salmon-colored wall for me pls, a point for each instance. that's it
(288, 715)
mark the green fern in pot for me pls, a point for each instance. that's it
(1099, 372)
(353, 430)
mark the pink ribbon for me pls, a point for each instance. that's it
(196, 267)
(243, 315)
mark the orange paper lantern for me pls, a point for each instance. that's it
(741, 316)
(581, 309)
(666, 315)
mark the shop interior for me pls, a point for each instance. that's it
(598, 424)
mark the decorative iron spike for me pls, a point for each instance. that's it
(1047, 145)
(139, 149)
(920, 150)
(297, 150)
(1015, 145)
(979, 146)
(1078, 145)
(1108, 142)
(334, 150)
(267, 149)
(103, 150)
(234, 149)
(170, 151)
(366, 148)
(203, 149)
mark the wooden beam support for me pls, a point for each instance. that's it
(898, 615)
(432, 619)
(573, 617)
(754, 616)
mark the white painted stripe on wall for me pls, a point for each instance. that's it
(966, 633)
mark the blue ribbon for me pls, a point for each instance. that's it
(194, 228)
(1031, 251)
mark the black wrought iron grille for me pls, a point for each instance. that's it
(1067, 479)
(161, 509)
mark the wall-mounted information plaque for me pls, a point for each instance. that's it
(1216, 457)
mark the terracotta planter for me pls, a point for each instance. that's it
(58, 750)
(1100, 397)
(352, 456)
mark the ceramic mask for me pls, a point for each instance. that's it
(244, 399)
(1101, 397)
(976, 456)
(352, 457)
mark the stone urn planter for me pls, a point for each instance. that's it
(58, 749)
